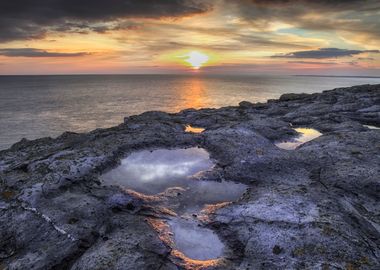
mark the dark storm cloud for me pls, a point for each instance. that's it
(27, 19)
(32, 52)
(323, 53)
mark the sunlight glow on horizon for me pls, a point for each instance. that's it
(221, 37)
(196, 59)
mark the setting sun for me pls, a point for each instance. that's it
(196, 59)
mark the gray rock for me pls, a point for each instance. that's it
(291, 96)
(316, 207)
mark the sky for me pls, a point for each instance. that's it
(326, 37)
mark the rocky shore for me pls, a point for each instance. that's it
(315, 207)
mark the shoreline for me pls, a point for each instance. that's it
(259, 104)
(311, 207)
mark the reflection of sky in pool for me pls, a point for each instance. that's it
(306, 134)
(168, 173)
(195, 242)
(199, 193)
(152, 172)
(371, 127)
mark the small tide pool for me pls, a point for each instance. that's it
(371, 127)
(172, 174)
(192, 129)
(305, 135)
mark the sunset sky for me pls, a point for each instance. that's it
(173, 36)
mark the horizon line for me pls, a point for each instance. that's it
(190, 74)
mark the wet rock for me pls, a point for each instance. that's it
(310, 208)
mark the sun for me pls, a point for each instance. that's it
(196, 59)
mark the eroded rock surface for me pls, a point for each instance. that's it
(315, 207)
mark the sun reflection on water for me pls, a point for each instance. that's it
(192, 94)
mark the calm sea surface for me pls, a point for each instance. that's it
(39, 106)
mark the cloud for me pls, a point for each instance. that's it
(32, 52)
(329, 3)
(279, 8)
(351, 16)
(312, 63)
(323, 53)
(25, 19)
(366, 58)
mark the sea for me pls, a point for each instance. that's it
(39, 106)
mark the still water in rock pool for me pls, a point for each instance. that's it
(192, 129)
(194, 241)
(306, 134)
(152, 172)
(170, 174)
(371, 127)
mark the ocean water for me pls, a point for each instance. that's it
(38, 106)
